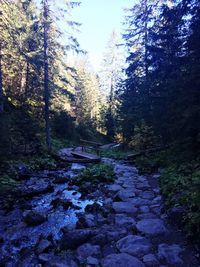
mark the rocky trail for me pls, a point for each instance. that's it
(123, 224)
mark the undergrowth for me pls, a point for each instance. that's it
(97, 173)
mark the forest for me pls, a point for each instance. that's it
(146, 99)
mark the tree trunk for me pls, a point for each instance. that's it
(46, 76)
(1, 82)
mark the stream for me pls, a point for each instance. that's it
(58, 224)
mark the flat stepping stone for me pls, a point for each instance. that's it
(121, 260)
(170, 253)
(122, 219)
(137, 201)
(125, 194)
(151, 226)
(124, 207)
(148, 215)
(134, 245)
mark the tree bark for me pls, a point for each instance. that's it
(46, 77)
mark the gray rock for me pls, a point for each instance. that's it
(75, 238)
(151, 226)
(33, 218)
(87, 250)
(36, 186)
(121, 260)
(122, 219)
(170, 253)
(124, 207)
(134, 245)
(150, 260)
(125, 194)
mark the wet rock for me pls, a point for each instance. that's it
(95, 207)
(124, 207)
(35, 187)
(61, 202)
(121, 260)
(87, 250)
(150, 260)
(151, 226)
(75, 238)
(134, 245)
(33, 218)
(43, 246)
(122, 219)
(50, 260)
(170, 253)
(86, 221)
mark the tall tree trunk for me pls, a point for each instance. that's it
(46, 76)
(1, 82)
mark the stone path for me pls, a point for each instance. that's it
(125, 227)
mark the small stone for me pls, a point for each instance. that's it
(121, 260)
(170, 253)
(151, 226)
(134, 245)
(150, 260)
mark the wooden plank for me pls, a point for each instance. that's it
(84, 155)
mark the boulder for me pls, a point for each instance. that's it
(134, 245)
(75, 238)
(151, 226)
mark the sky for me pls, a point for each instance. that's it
(99, 18)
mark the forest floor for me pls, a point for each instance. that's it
(54, 222)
